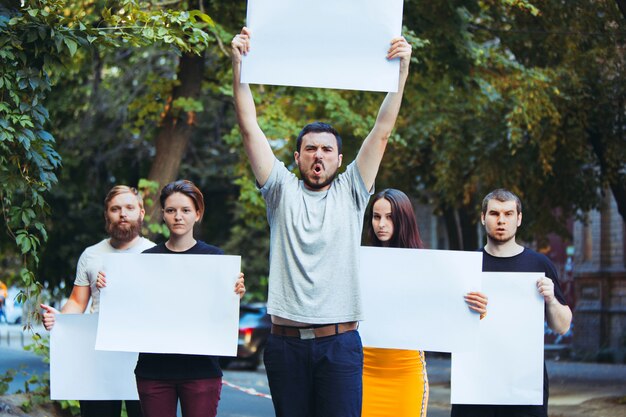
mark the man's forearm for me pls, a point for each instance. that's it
(390, 108)
(78, 301)
(373, 148)
(559, 317)
(244, 103)
(255, 143)
(73, 307)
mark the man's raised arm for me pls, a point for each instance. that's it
(373, 148)
(255, 143)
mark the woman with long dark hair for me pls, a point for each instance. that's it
(395, 382)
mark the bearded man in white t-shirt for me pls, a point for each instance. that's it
(123, 213)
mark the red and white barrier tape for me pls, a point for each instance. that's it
(250, 391)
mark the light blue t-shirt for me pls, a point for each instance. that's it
(314, 246)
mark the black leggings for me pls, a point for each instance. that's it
(462, 410)
(109, 408)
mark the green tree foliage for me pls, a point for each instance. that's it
(105, 108)
(583, 47)
(487, 106)
(37, 40)
(29, 45)
(513, 93)
(501, 99)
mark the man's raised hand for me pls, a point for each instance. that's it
(240, 44)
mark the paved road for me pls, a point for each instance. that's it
(26, 363)
(577, 389)
(13, 356)
(236, 403)
(233, 403)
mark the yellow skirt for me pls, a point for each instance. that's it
(394, 383)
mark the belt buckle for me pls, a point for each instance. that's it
(306, 334)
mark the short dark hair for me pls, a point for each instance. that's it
(318, 127)
(187, 188)
(502, 195)
(406, 234)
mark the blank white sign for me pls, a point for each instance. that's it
(507, 366)
(323, 43)
(164, 303)
(79, 372)
(413, 298)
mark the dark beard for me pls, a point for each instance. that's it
(318, 186)
(124, 234)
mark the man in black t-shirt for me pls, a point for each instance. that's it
(501, 216)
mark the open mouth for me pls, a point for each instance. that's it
(317, 168)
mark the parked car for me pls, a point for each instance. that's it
(254, 329)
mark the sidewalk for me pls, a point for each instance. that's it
(586, 389)
(577, 389)
(12, 336)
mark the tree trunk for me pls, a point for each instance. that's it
(453, 228)
(176, 126)
(611, 171)
(461, 228)
(468, 228)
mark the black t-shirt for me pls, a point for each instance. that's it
(177, 366)
(526, 261)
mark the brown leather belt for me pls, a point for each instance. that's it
(314, 332)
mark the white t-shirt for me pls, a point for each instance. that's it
(90, 263)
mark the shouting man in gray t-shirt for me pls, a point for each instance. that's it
(314, 357)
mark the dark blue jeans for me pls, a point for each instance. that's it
(316, 377)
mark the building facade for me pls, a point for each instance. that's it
(599, 272)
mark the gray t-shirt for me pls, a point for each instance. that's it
(314, 246)
(90, 263)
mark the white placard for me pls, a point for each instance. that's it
(413, 298)
(507, 366)
(323, 43)
(79, 372)
(164, 303)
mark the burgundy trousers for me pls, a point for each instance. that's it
(198, 397)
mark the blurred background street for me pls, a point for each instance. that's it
(578, 389)
(524, 95)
